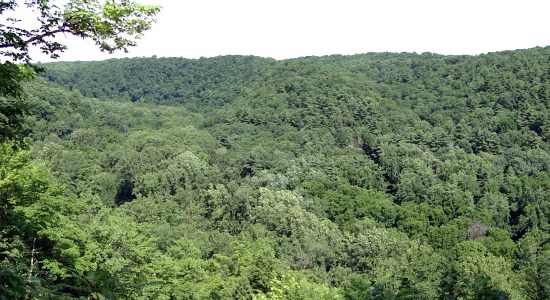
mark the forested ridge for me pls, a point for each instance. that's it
(372, 176)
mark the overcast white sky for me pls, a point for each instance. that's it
(293, 28)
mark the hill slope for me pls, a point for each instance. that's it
(367, 176)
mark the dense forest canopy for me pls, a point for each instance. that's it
(372, 176)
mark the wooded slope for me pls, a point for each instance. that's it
(373, 176)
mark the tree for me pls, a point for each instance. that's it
(41, 246)
(12, 108)
(477, 274)
(111, 24)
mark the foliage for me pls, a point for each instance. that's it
(373, 176)
(112, 25)
(43, 252)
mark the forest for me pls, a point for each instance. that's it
(371, 176)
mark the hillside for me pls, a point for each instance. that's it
(373, 176)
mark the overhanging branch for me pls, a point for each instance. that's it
(34, 38)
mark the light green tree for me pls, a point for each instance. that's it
(41, 244)
(477, 274)
(111, 24)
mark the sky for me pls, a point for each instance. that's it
(294, 28)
